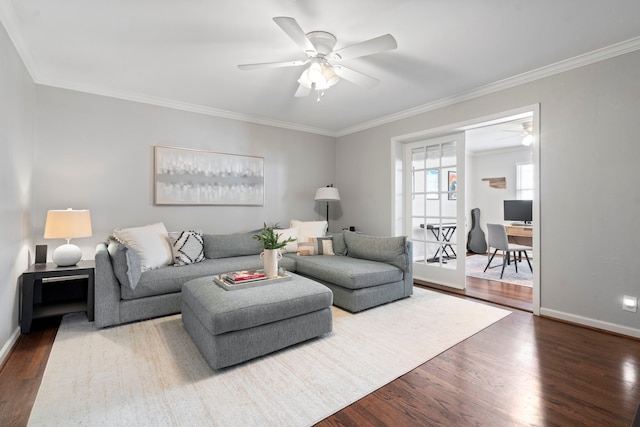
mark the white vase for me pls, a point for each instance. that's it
(270, 258)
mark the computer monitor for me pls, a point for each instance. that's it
(518, 210)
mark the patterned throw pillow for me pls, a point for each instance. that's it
(188, 248)
(316, 246)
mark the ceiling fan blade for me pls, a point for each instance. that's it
(356, 77)
(293, 30)
(302, 91)
(272, 65)
(369, 47)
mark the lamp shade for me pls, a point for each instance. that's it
(67, 224)
(327, 194)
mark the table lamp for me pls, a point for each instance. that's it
(67, 224)
(327, 194)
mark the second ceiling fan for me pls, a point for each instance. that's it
(323, 72)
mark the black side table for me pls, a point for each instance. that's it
(48, 290)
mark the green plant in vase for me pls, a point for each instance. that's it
(271, 242)
(270, 238)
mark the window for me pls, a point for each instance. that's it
(524, 181)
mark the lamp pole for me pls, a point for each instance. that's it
(327, 194)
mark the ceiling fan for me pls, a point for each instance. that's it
(526, 133)
(322, 72)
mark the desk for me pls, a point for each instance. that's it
(442, 233)
(520, 234)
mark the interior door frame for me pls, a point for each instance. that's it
(397, 174)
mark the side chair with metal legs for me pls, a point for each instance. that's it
(499, 241)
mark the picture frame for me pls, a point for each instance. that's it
(452, 185)
(184, 176)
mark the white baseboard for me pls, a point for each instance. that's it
(598, 324)
(6, 348)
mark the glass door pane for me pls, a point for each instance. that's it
(433, 208)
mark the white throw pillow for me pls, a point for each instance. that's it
(291, 247)
(151, 242)
(309, 229)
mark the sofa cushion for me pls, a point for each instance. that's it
(188, 248)
(126, 264)
(392, 250)
(316, 246)
(338, 243)
(221, 311)
(170, 279)
(230, 245)
(150, 241)
(350, 273)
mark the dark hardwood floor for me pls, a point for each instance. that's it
(506, 294)
(21, 375)
(521, 371)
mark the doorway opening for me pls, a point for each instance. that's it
(503, 126)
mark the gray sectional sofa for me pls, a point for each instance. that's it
(365, 272)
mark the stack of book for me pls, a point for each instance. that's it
(245, 276)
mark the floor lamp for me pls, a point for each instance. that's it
(327, 194)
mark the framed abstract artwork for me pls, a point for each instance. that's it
(195, 177)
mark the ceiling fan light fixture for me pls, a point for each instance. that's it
(304, 79)
(315, 72)
(527, 140)
(319, 76)
(330, 75)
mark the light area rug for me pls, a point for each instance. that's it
(151, 374)
(475, 265)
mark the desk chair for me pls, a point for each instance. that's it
(499, 241)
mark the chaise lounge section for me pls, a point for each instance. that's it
(368, 271)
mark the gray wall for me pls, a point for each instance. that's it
(492, 164)
(96, 153)
(589, 198)
(17, 112)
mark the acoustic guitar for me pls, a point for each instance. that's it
(476, 242)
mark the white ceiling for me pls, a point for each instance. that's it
(497, 137)
(184, 54)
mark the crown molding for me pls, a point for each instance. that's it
(10, 21)
(183, 106)
(530, 76)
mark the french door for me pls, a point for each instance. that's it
(434, 208)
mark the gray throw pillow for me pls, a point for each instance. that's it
(338, 243)
(126, 263)
(392, 250)
(230, 245)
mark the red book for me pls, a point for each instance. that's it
(245, 276)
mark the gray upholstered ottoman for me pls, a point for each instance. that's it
(231, 327)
